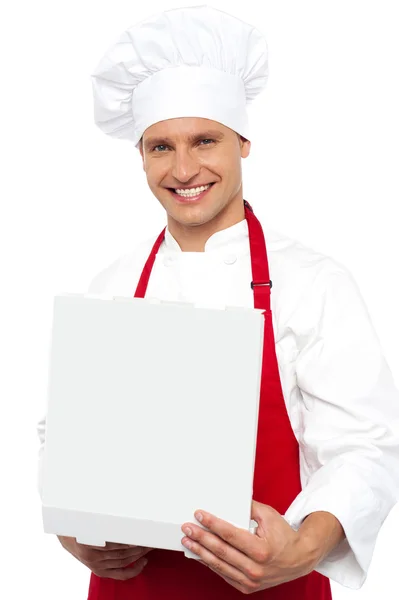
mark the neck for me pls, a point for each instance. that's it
(192, 238)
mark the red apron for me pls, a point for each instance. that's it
(169, 575)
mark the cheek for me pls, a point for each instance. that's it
(214, 164)
(155, 174)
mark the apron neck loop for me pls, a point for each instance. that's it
(261, 283)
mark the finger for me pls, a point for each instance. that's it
(118, 563)
(137, 552)
(218, 565)
(122, 574)
(243, 540)
(221, 550)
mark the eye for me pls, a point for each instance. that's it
(164, 146)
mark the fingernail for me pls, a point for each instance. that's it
(199, 516)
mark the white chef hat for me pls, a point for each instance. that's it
(187, 62)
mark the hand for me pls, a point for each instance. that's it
(249, 562)
(109, 560)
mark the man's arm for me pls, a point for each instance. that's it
(319, 534)
(349, 414)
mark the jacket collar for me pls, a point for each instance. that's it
(235, 235)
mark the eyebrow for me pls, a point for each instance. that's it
(210, 133)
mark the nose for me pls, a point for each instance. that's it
(185, 166)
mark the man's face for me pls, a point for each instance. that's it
(191, 152)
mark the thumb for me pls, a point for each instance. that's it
(263, 512)
(267, 518)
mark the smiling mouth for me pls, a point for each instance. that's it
(188, 189)
(190, 197)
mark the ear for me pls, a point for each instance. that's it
(245, 147)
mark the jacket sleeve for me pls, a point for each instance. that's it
(349, 431)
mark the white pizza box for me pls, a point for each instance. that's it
(152, 413)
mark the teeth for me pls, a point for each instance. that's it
(192, 192)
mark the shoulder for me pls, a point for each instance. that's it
(129, 266)
(304, 279)
(293, 261)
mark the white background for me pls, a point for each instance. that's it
(323, 169)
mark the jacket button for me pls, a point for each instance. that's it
(230, 259)
(168, 261)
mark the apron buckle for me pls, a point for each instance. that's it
(262, 283)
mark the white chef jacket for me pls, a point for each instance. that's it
(339, 391)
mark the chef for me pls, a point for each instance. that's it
(327, 460)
